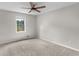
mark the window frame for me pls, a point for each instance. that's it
(24, 19)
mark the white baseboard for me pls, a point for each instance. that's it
(62, 45)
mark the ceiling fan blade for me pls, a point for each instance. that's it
(40, 7)
(31, 4)
(37, 10)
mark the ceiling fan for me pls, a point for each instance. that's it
(33, 7)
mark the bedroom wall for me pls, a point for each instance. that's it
(8, 26)
(61, 26)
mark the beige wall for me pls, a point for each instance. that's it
(60, 26)
(8, 26)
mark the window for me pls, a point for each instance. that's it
(20, 24)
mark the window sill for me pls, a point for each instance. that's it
(21, 32)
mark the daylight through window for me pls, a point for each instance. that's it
(20, 24)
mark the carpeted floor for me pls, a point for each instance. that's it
(35, 47)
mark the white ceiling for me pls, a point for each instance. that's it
(17, 6)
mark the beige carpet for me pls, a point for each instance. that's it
(35, 47)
